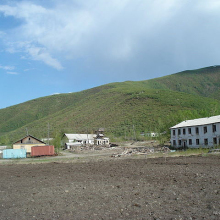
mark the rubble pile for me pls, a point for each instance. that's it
(136, 150)
(163, 149)
(91, 148)
(142, 150)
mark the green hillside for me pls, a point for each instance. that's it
(151, 105)
(204, 82)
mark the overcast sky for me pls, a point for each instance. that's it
(54, 46)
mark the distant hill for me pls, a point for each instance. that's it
(203, 82)
(122, 108)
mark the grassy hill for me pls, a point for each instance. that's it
(122, 108)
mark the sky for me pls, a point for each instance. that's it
(53, 46)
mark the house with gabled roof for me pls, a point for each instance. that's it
(201, 132)
(28, 142)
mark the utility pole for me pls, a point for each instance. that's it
(87, 136)
(27, 131)
(134, 133)
(48, 133)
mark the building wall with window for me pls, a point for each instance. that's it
(28, 142)
(203, 132)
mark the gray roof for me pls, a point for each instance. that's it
(80, 136)
(198, 121)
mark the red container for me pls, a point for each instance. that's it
(47, 150)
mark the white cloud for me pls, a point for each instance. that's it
(211, 5)
(138, 34)
(12, 73)
(2, 34)
(41, 54)
(72, 30)
(23, 10)
(7, 67)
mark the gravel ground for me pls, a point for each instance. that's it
(118, 188)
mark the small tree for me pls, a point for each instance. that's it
(57, 141)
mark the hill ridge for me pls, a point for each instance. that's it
(148, 104)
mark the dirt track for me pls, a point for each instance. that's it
(112, 189)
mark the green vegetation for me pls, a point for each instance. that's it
(124, 109)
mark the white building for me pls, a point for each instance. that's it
(201, 132)
(101, 140)
(78, 139)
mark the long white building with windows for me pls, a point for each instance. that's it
(201, 132)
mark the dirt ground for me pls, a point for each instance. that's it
(118, 188)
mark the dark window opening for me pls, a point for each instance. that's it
(197, 130)
(189, 130)
(190, 141)
(205, 129)
(174, 132)
(206, 141)
(184, 131)
(214, 140)
(214, 128)
(179, 131)
(180, 142)
(197, 141)
(174, 142)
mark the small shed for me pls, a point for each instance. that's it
(28, 142)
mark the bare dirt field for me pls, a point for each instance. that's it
(118, 188)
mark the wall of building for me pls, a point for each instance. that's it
(27, 147)
(205, 137)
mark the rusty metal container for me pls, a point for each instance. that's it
(47, 150)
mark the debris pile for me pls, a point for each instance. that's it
(163, 149)
(136, 150)
(91, 147)
(142, 151)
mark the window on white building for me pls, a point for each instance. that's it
(179, 131)
(205, 129)
(197, 141)
(214, 140)
(197, 130)
(174, 132)
(179, 142)
(213, 128)
(190, 141)
(174, 142)
(206, 141)
(189, 131)
(184, 131)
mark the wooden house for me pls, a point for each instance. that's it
(28, 142)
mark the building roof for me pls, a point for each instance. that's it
(80, 136)
(198, 121)
(74, 144)
(31, 137)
